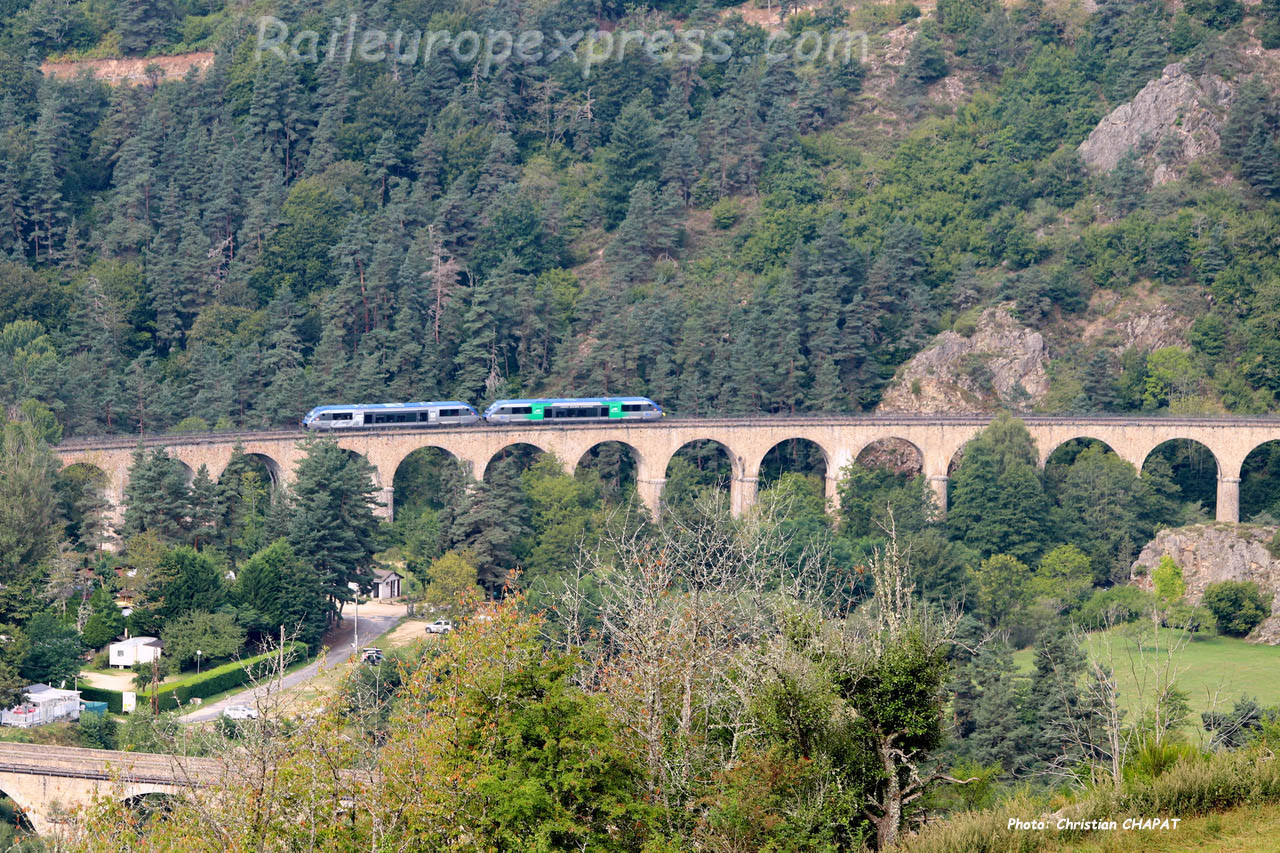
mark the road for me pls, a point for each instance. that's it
(375, 620)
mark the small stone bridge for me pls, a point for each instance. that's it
(746, 440)
(48, 782)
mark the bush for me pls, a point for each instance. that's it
(1183, 616)
(1115, 605)
(725, 213)
(1238, 606)
(98, 731)
(966, 325)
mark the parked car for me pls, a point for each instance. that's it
(240, 712)
(440, 626)
(371, 655)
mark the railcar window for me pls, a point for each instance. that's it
(342, 416)
(633, 407)
(522, 410)
(449, 413)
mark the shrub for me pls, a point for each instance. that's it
(1273, 547)
(1238, 606)
(1183, 616)
(1115, 605)
(97, 731)
(725, 213)
(1168, 581)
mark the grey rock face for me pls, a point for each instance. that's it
(1209, 553)
(1001, 363)
(1177, 116)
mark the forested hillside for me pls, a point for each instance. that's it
(744, 235)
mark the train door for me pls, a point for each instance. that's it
(615, 408)
(539, 412)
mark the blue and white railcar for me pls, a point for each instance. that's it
(370, 415)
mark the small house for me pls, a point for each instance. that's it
(42, 704)
(134, 650)
(386, 584)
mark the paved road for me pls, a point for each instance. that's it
(339, 642)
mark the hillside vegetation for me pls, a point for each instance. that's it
(724, 236)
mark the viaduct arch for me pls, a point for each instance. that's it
(49, 782)
(653, 443)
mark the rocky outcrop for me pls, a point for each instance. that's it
(1002, 364)
(124, 71)
(1135, 319)
(1208, 553)
(1174, 119)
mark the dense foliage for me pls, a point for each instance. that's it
(233, 248)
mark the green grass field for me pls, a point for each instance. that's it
(1211, 670)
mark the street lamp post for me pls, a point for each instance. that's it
(199, 654)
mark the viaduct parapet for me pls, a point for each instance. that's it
(49, 782)
(746, 440)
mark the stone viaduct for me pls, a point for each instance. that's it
(937, 440)
(48, 782)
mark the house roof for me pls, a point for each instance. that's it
(386, 574)
(133, 642)
(45, 693)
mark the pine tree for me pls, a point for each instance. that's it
(212, 381)
(142, 24)
(926, 63)
(632, 156)
(105, 622)
(274, 589)
(1269, 31)
(1260, 161)
(333, 527)
(330, 370)
(1127, 184)
(384, 164)
(484, 349)
(49, 210)
(1099, 382)
(204, 508)
(156, 496)
(1060, 716)
(286, 390)
(682, 165)
(498, 171)
(998, 505)
(830, 277)
(351, 260)
(999, 733)
(492, 524)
